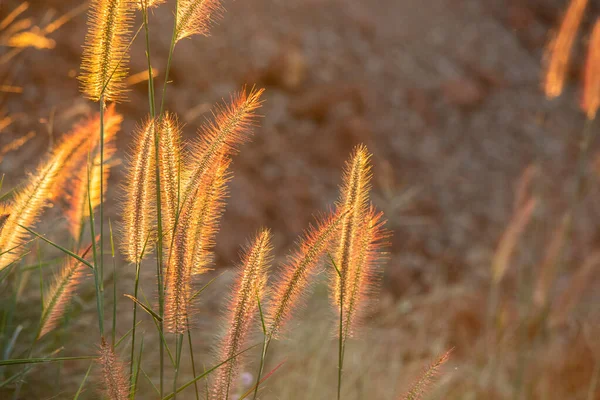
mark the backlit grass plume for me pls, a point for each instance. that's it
(208, 208)
(591, 87)
(194, 17)
(26, 207)
(80, 144)
(146, 4)
(242, 310)
(298, 270)
(192, 241)
(559, 49)
(105, 57)
(58, 296)
(425, 381)
(362, 282)
(139, 205)
(231, 127)
(114, 378)
(354, 196)
(87, 163)
(170, 159)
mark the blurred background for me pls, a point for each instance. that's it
(446, 94)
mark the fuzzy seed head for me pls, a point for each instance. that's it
(354, 196)
(194, 17)
(138, 212)
(170, 165)
(591, 88)
(114, 377)
(420, 387)
(559, 49)
(249, 286)
(105, 52)
(298, 270)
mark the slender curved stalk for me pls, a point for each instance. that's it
(177, 363)
(169, 59)
(131, 359)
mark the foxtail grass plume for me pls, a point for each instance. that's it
(249, 286)
(220, 138)
(591, 87)
(170, 165)
(194, 17)
(114, 377)
(192, 241)
(354, 196)
(58, 296)
(87, 163)
(79, 145)
(363, 280)
(299, 269)
(4, 214)
(425, 381)
(559, 49)
(105, 51)
(26, 207)
(208, 208)
(140, 199)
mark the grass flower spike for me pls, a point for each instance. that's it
(296, 273)
(591, 88)
(242, 310)
(362, 282)
(114, 377)
(194, 17)
(170, 169)
(355, 197)
(105, 57)
(559, 50)
(425, 381)
(59, 294)
(139, 198)
(193, 238)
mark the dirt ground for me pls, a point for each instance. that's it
(445, 93)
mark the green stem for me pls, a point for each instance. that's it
(169, 59)
(177, 363)
(102, 197)
(135, 295)
(266, 342)
(189, 335)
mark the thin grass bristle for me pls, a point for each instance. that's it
(559, 49)
(105, 56)
(194, 17)
(114, 377)
(297, 271)
(140, 202)
(250, 285)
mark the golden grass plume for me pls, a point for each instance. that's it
(192, 241)
(424, 382)
(27, 205)
(559, 49)
(114, 377)
(354, 196)
(591, 87)
(105, 56)
(194, 17)
(140, 198)
(299, 268)
(59, 294)
(250, 285)
(218, 138)
(170, 165)
(363, 281)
